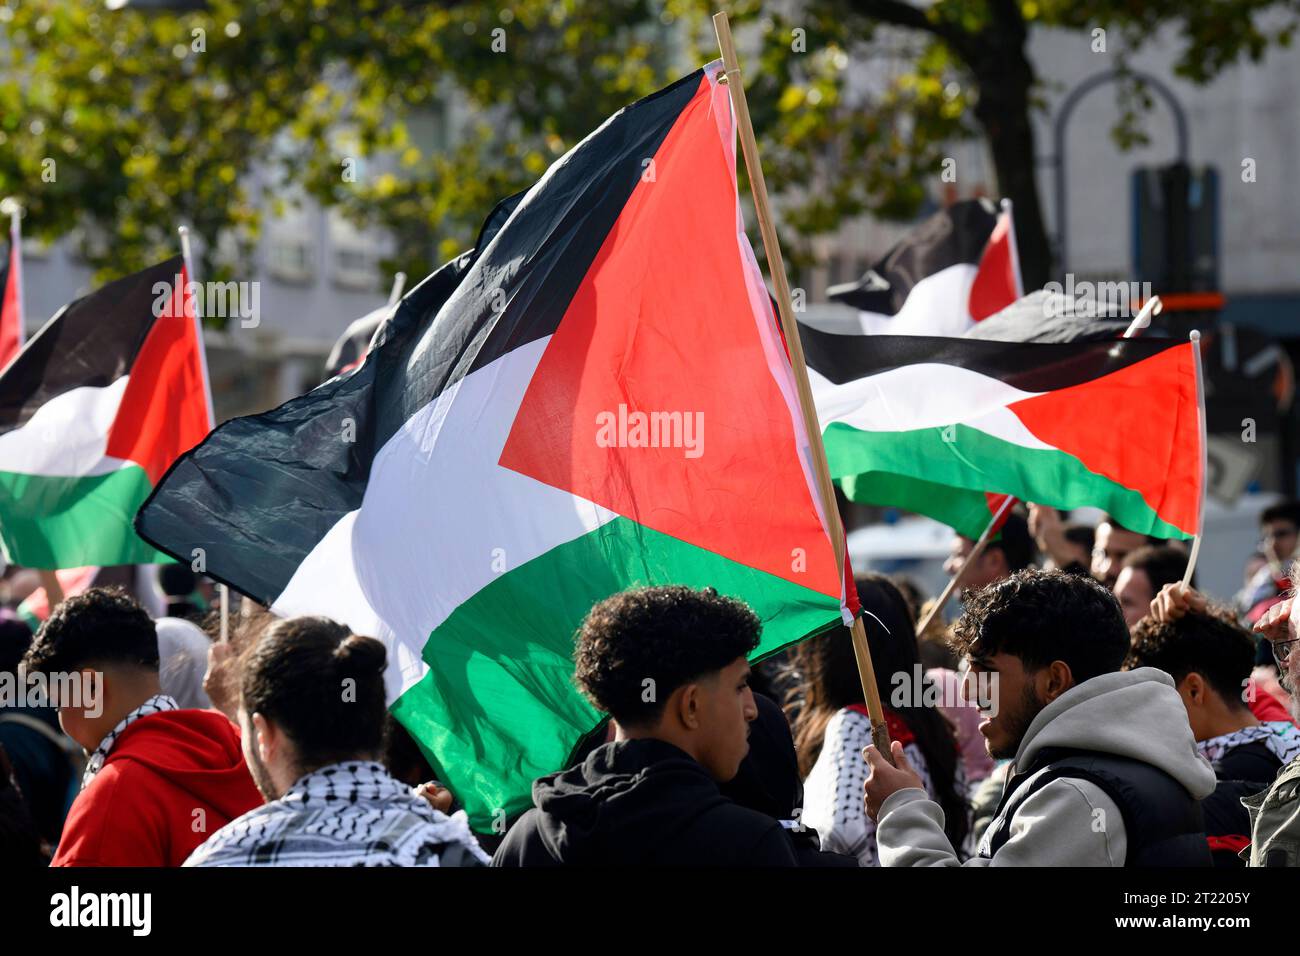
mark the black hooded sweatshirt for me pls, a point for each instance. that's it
(638, 803)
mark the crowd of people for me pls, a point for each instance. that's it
(1085, 708)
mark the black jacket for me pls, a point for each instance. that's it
(1242, 771)
(1162, 821)
(636, 803)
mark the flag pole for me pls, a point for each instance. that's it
(1200, 414)
(399, 284)
(975, 552)
(188, 259)
(1152, 306)
(1014, 249)
(224, 593)
(776, 266)
(16, 238)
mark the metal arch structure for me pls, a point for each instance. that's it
(1063, 114)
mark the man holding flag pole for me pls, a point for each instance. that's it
(1104, 770)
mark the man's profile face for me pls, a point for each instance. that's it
(1133, 591)
(1002, 722)
(726, 707)
(1278, 540)
(1112, 546)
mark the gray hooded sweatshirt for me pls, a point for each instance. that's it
(1069, 822)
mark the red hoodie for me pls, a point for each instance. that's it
(171, 781)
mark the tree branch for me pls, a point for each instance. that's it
(899, 13)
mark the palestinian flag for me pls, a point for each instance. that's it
(11, 300)
(944, 427)
(602, 402)
(92, 412)
(956, 268)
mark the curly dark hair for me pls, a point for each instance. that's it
(1045, 616)
(671, 635)
(294, 674)
(99, 626)
(1210, 643)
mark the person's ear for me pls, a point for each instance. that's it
(266, 736)
(688, 705)
(1193, 689)
(1054, 680)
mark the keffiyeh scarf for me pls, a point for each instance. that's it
(346, 814)
(1280, 737)
(154, 705)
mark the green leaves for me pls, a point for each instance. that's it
(218, 117)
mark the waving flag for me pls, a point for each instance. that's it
(943, 427)
(92, 412)
(602, 402)
(953, 270)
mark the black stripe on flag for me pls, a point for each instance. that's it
(91, 341)
(260, 492)
(953, 236)
(1030, 366)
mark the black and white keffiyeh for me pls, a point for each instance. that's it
(154, 705)
(346, 814)
(1282, 738)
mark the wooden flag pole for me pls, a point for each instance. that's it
(776, 266)
(224, 593)
(1200, 414)
(975, 552)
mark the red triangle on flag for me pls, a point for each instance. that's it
(665, 327)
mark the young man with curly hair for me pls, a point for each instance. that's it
(1104, 767)
(669, 665)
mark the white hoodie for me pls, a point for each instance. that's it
(1135, 714)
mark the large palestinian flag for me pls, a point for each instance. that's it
(953, 270)
(11, 300)
(603, 402)
(944, 427)
(92, 412)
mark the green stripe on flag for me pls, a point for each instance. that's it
(966, 512)
(886, 468)
(53, 522)
(498, 707)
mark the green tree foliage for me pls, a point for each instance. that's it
(127, 122)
